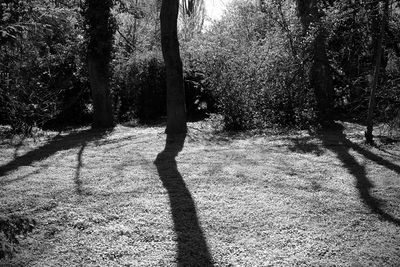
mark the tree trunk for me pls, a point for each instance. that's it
(377, 68)
(100, 34)
(99, 82)
(321, 80)
(176, 108)
(193, 15)
(320, 77)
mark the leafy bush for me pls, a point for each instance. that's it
(140, 90)
(199, 100)
(10, 229)
(252, 74)
(43, 77)
(351, 48)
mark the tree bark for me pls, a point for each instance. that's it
(320, 77)
(321, 80)
(100, 34)
(176, 107)
(102, 107)
(378, 60)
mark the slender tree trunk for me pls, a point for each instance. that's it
(100, 34)
(176, 108)
(320, 77)
(377, 68)
(193, 14)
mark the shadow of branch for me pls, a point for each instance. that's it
(56, 144)
(77, 179)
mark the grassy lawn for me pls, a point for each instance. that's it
(120, 199)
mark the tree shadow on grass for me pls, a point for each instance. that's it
(192, 245)
(77, 180)
(340, 145)
(58, 143)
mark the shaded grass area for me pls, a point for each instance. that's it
(128, 198)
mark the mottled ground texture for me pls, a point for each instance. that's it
(118, 198)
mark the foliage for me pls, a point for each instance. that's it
(256, 63)
(14, 20)
(254, 79)
(352, 27)
(199, 100)
(42, 68)
(10, 229)
(138, 30)
(191, 19)
(140, 90)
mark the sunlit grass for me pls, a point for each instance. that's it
(99, 199)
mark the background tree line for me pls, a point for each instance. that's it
(265, 63)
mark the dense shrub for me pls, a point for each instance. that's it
(257, 64)
(199, 100)
(11, 228)
(351, 50)
(140, 90)
(252, 74)
(42, 68)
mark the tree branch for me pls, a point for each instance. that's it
(131, 46)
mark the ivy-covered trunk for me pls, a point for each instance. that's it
(100, 31)
(176, 108)
(320, 77)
